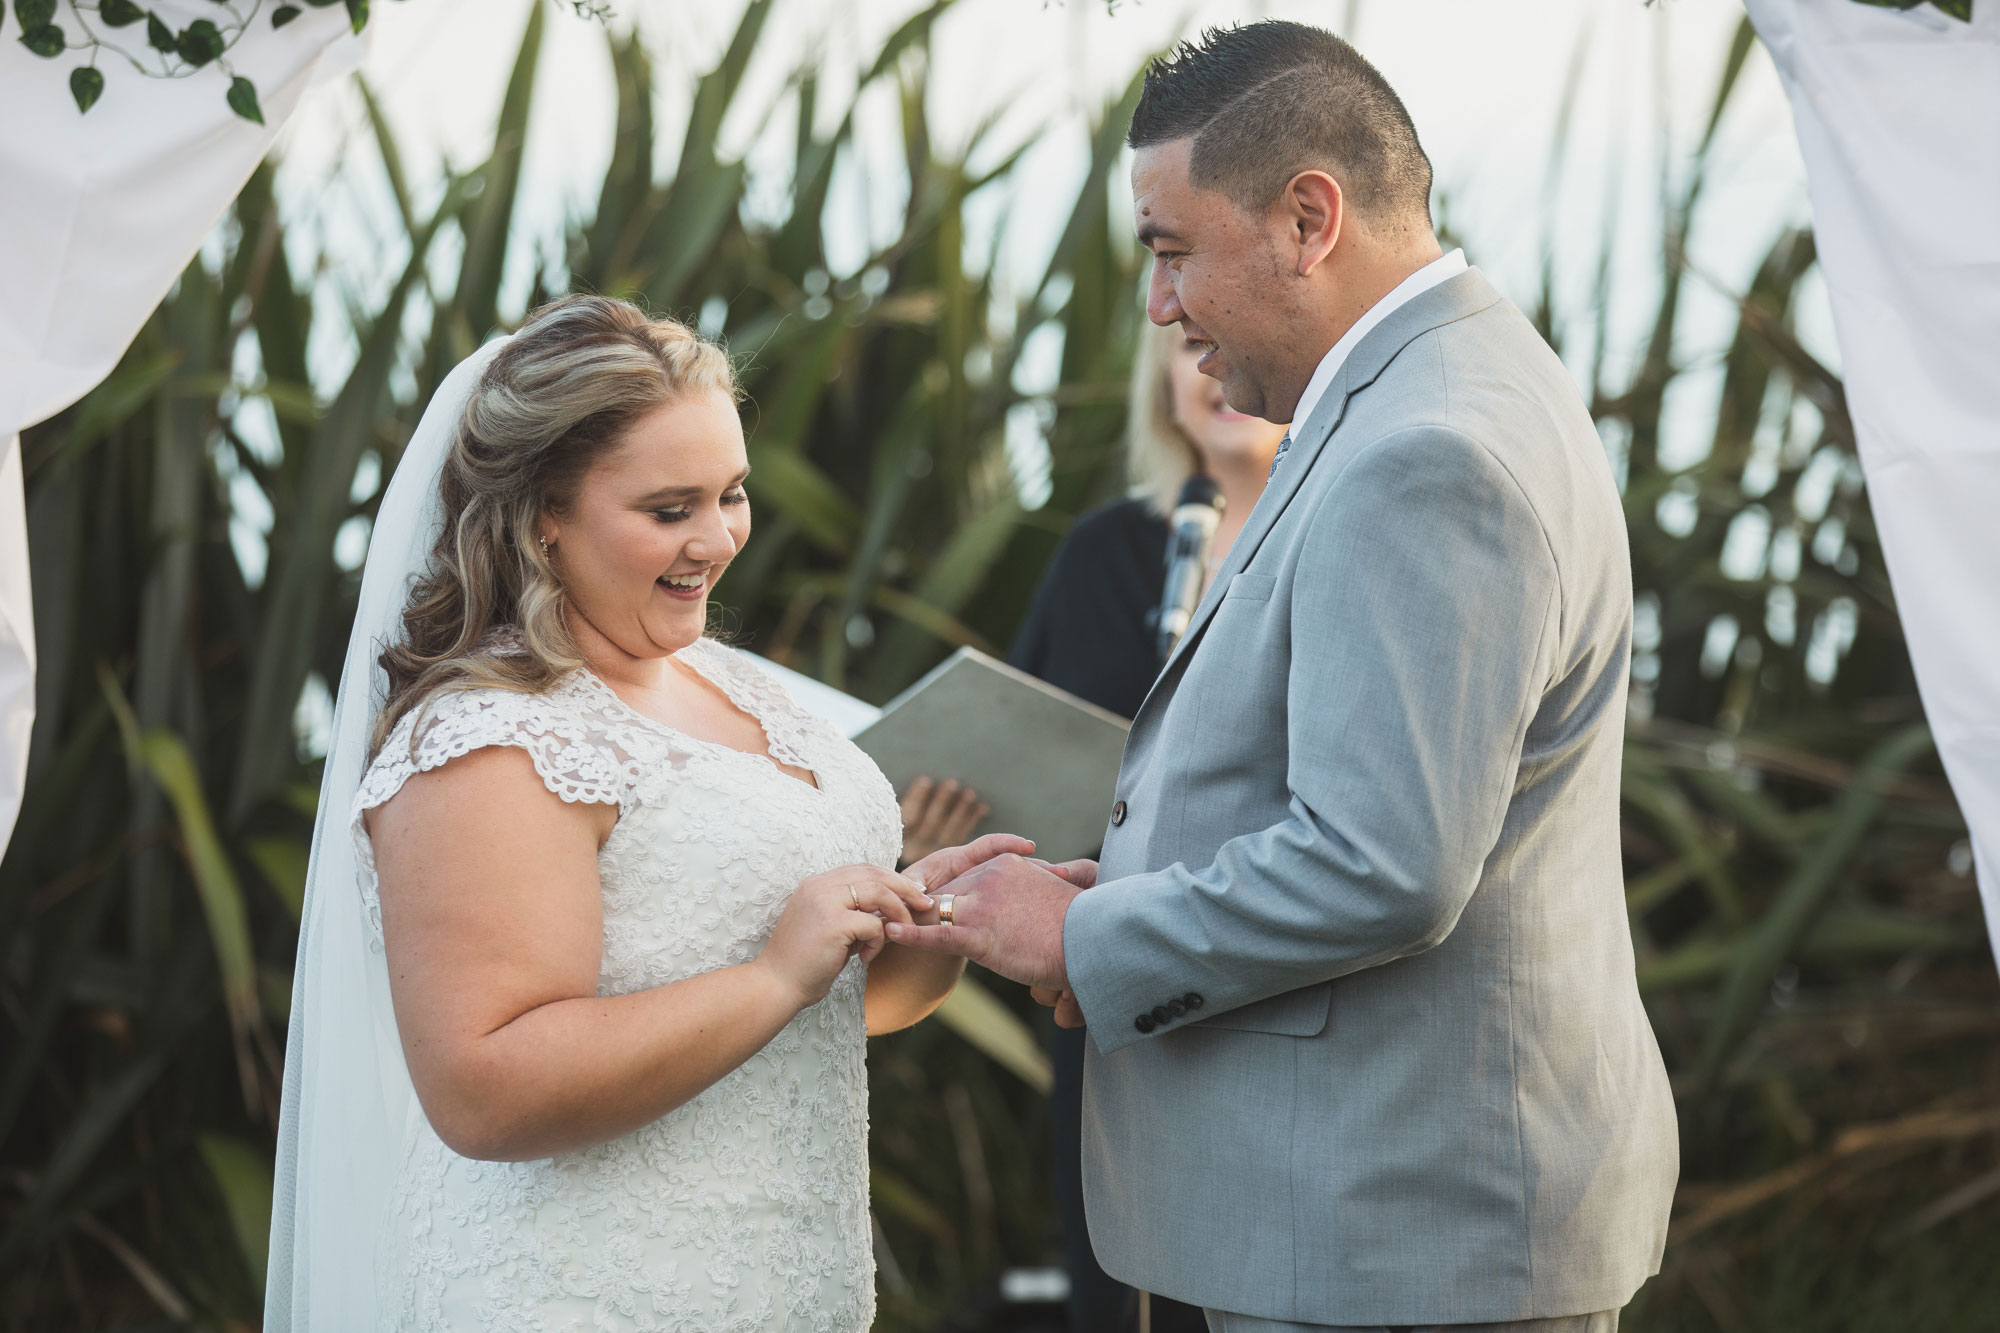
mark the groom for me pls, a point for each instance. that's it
(1367, 1045)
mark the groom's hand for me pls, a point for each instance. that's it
(1007, 915)
(1069, 1014)
(1082, 873)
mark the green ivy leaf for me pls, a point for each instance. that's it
(46, 41)
(158, 35)
(200, 42)
(283, 14)
(322, 4)
(86, 85)
(35, 13)
(119, 13)
(357, 13)
(243, 99)
(1958, 9)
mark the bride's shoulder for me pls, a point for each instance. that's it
(572, 752)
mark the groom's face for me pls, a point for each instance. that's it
(1217, 273)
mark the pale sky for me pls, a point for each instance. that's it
(1483, 80)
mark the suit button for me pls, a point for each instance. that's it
(1176, 1007)
(1145, 1023)
(1161, 1014)
(1117, 814)
(1193, 1001)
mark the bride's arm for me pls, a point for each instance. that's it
(493, 924)
(906, 985)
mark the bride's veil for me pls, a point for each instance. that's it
(347, 1097)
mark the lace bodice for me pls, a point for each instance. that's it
(747, 1208)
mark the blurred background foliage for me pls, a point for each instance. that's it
(1809, 939)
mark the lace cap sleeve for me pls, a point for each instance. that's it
(576, 759)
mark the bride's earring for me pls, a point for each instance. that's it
(545, 548)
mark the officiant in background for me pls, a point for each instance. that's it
(1093, 630)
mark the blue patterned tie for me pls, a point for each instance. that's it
(1279, 457)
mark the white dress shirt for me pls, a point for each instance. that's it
(1425, 278)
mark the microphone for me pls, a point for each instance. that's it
(1190, 534)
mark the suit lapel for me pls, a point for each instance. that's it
(1466, 294)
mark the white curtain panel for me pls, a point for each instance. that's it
(99, 214)
(1898, 116)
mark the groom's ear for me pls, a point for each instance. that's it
(1313, 210)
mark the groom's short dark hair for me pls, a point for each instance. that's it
(1268, 100)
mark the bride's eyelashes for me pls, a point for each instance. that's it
(680, 513)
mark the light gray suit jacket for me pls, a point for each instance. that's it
(1367, 1045)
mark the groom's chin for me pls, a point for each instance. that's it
(1239, 396)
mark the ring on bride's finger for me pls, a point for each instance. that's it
(852, 894)
(944, 907)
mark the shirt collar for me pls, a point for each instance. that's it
(1425, 278)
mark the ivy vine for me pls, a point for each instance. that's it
(50, 28)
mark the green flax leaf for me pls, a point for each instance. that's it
(168, 760)
(242, 1175)
(974, 1013)
(86, 85)
(243, 99)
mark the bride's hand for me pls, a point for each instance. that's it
(941, 867)
(831, 918)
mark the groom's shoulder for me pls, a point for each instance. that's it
(1488, 376)
(1485, 390)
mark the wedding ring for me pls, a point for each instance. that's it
(852, 894)
(944, 908)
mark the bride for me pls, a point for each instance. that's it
(595, 926)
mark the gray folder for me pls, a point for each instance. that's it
(1043, 760)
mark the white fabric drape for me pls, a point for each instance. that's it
(99, 214)
(1898, 116)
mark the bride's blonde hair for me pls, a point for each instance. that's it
(557, 398)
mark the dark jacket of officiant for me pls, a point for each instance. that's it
(1089, 632)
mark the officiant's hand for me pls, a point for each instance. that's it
(937, 815)
(1007, 915)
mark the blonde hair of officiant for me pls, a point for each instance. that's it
(1159, 455)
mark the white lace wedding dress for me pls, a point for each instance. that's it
(747, 1208)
